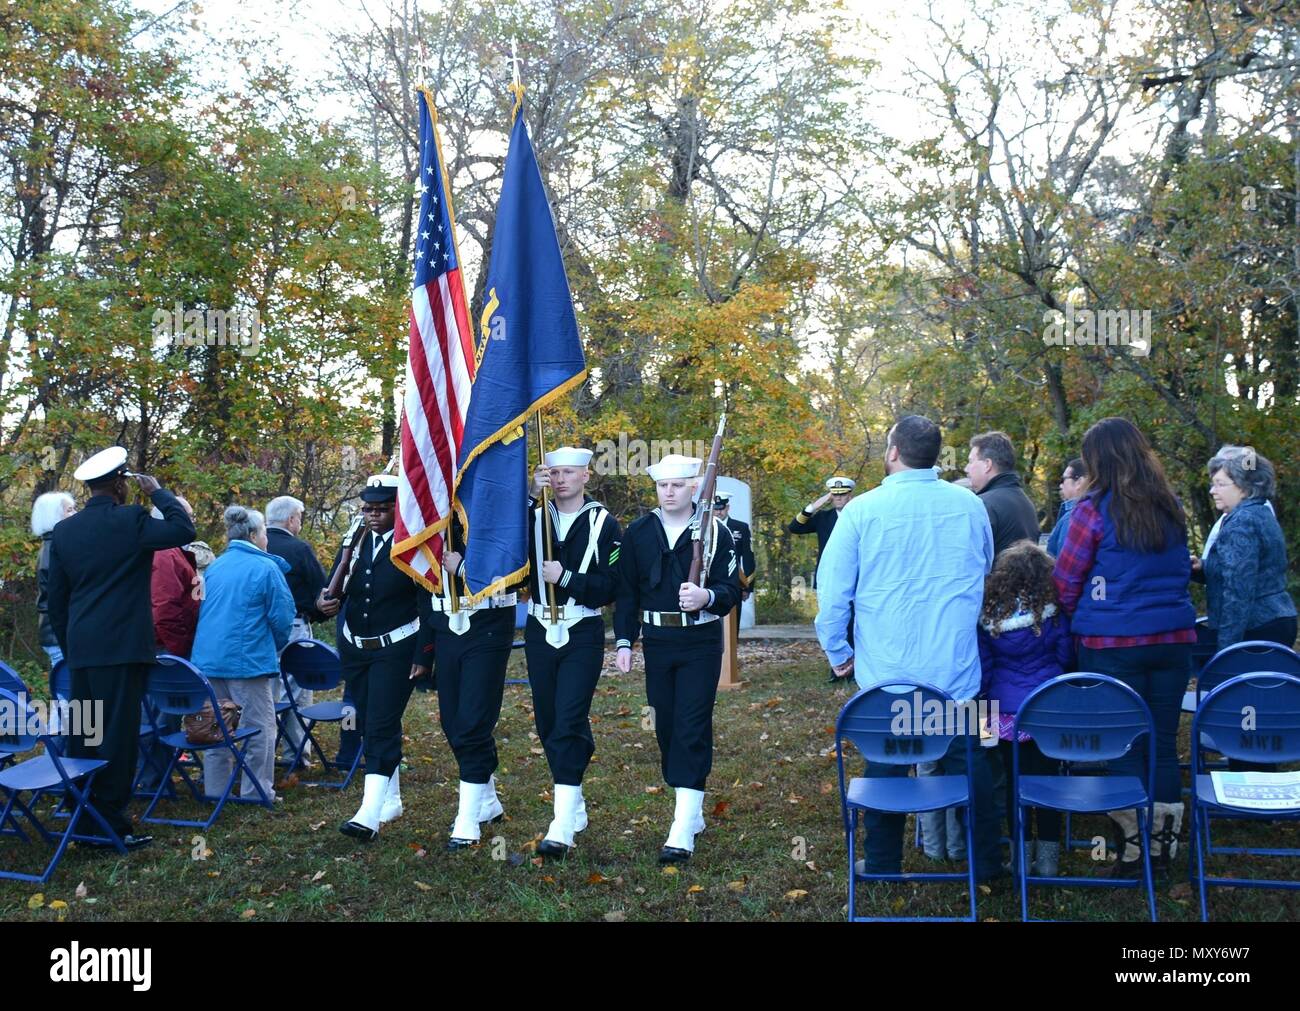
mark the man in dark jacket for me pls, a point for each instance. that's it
(992, 472)
(306, 579)
(101, 563)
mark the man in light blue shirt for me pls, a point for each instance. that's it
(910, 557)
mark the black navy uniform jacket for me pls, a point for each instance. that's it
(650, 574)
(821, 523)
(305, 576)
(744, 541)
(101, 567)
(380, 597)
(594, 588)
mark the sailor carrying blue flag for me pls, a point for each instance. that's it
(529, 355)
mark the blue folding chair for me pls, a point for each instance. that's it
(315, 667)
(1084, 718)
(1241, 658)
(868, 720)
(10, 681)
(176, 686)
(21, 731)
(1268, 704)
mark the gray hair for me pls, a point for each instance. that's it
(242, 523)
(1248, 470)
(280, 510)
(48, 509)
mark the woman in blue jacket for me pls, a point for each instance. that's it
(244, 622)
(1244, 568)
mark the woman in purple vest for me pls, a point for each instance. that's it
(1122, 578)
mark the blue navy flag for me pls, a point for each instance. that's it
(530, 356)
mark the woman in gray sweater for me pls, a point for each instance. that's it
(1244, 567)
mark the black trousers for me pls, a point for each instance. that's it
(1032, 763)
(113, 694)
(682, 666)
(563, 681)
(471, 673)
(379, 683)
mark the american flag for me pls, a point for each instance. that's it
(439, 371)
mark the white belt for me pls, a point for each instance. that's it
(677, 618)
(567, 612)
(380, 641)
(500, 600)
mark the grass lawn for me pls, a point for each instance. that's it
(774, 848)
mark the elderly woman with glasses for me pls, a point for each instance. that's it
(1244, 562)
(47, 511)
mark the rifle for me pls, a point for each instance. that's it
(334, 589)
(702, 521)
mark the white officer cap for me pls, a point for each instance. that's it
(568, 456)
(840, 484)
(673, 467)
(103, 464)
(380, 488)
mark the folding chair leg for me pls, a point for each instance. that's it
(970, 856)
(1201, 814)
(1144, 821)
(1018, 860)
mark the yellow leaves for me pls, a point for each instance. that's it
(796, 895)
(37, 901)
(695, 890)
(423, 887)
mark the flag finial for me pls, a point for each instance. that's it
(516, 87)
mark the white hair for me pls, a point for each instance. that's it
(48, 509)
(280, 510)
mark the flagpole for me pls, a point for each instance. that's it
(553, 613)
(516, 86)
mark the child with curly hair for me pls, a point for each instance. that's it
(1024, 640)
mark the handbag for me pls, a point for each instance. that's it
(201, 727)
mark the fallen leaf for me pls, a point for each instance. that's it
(1182, 890)
(421, 853)
(654, 789)
(36, 901)
(796, 895)
(537, 751)
(423, 887)
(736, 886)
(81, 891)
(596, 877)
(548, 879)
(694, 889)
(670, 870)
(316, 826)
(616, 916)
(248, 913)
(317, 876)
(985, 890)
(810, 865)
(538, 861)
(720, 808)
(58, 904)
(91, 901)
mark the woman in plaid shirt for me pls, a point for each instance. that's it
(1122, 577)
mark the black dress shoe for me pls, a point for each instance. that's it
(131, 842)
(358, 831)
(455, 845)
(551, 848)
(673, 855)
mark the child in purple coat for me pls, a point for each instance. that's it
(1024, 640)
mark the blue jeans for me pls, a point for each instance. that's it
(55, 655)
(884, 844)
(1159, 674)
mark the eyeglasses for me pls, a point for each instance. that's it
(377, 508)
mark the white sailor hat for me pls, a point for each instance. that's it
(568, 456)
(380, 488)
(840, 484)
(673, 467)
(103, 464)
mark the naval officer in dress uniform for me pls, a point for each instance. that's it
(379, 646)
(814, 519)
(471, 650)
(683, 636)
(566, 648)
(101, 566)
(743, 539)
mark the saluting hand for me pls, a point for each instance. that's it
(148, 485)
(819, 503)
